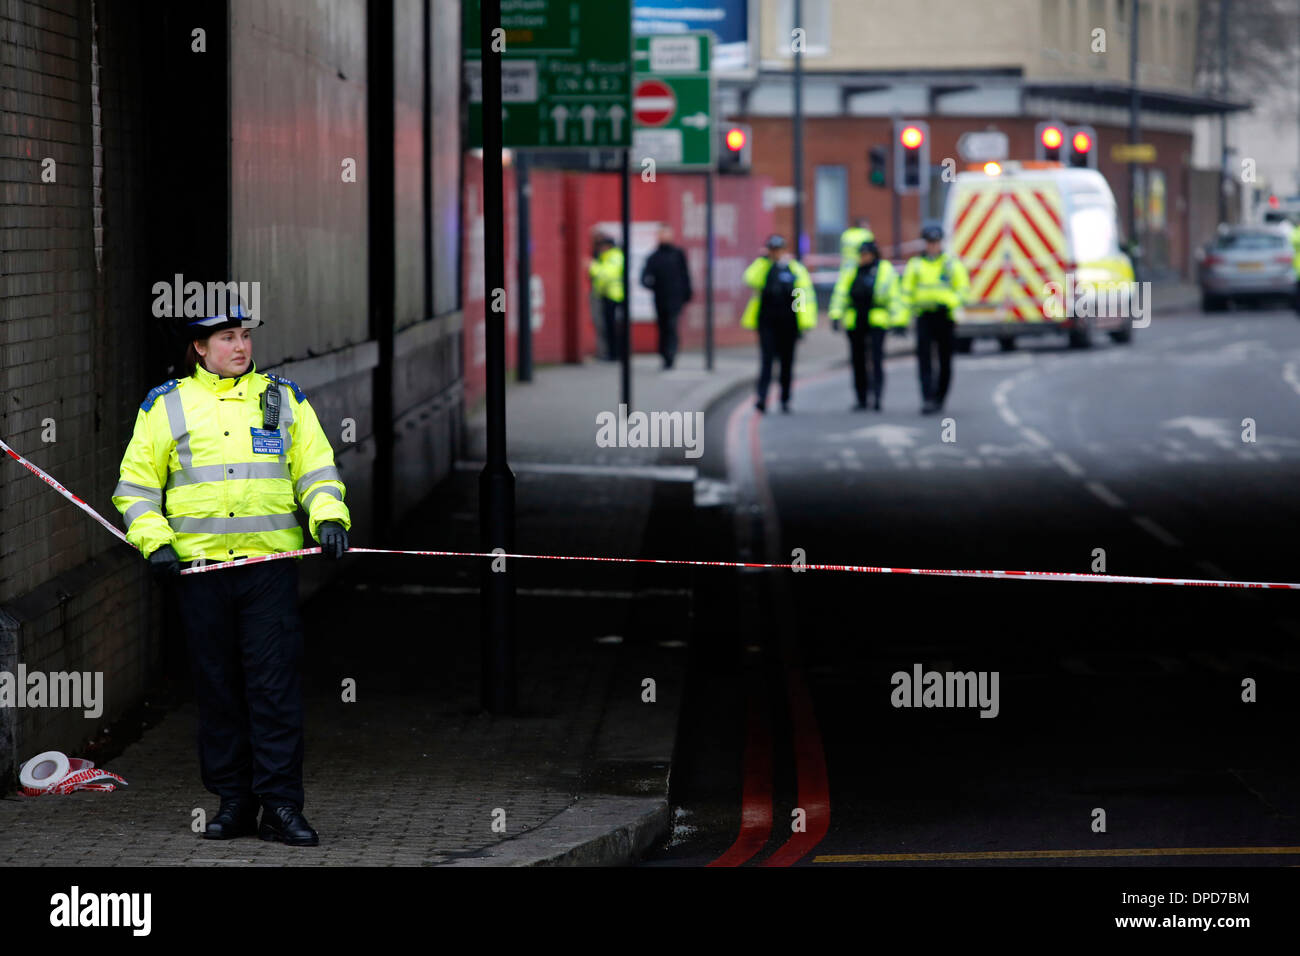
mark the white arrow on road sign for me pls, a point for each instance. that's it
(616, 115)
(698, 120)
(559, 114)
(588, 115)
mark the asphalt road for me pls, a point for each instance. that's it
(1115, 704)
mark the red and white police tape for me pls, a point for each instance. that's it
(1072, 576)
(54, 772)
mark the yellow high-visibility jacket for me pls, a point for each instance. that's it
(606, 274)
(851, 240)
(887, 308)
(756, 278)
(930, 283)
(202, 475)
(1295, 248)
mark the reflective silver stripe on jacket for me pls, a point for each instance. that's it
(250, 525)
(180, 433)
(286, 419)
(333, 492)
(328, 473)
(253, 469)
(127, 489)
(136, 510)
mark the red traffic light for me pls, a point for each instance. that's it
(1274, 202)
(735, 139)
(911, 137)
(1052, 137)
(1082, 142)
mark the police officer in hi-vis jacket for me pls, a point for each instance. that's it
(934, 285)
(868, 300)
(216, 470)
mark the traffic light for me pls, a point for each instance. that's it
(1083, 147)
(1049, 137)
(911, 156)
(876, 160)
(736, 148)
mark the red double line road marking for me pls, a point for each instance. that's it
(756, 802)
(810, 762)
(813, 791)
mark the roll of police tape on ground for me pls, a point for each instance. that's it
(43, 771)
(1060, 576)
(54, 772)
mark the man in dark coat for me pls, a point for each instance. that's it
(666, 276)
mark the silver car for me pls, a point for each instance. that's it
(1246, 262)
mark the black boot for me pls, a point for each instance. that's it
(286, 824)
(237, 817)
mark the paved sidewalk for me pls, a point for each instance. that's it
(414, 772)
(542, 429)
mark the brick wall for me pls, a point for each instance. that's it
(79, 256)
(68, 289)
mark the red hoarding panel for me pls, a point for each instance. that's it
(567, 208)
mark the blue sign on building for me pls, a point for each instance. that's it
(728, 19)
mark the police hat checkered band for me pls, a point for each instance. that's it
(238, 317)
(775, 242)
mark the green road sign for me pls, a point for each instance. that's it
(672, 100)
(565, 73)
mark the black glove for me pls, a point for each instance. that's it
(835, 325)
(333, 539)
(165, 563)
(899, 330)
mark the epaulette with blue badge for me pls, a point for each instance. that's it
(297, 392)
(158, 392)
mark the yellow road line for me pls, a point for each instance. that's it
(1058, 854)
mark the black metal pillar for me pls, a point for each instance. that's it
(708, 272)
(797, 137)
(381, 240)
(1134, 134)
(524, 245)
(496, 481)
(627, 283)
(1223, 117)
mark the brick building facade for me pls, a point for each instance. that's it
(217, 157)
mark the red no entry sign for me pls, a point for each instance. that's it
(653, 103)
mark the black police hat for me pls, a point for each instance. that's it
(775, 242)
(235, 317)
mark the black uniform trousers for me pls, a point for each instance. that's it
(666, 314)
(246, 647)
(864, 338)
(614, 326)
(777, 336)
(934, 332)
